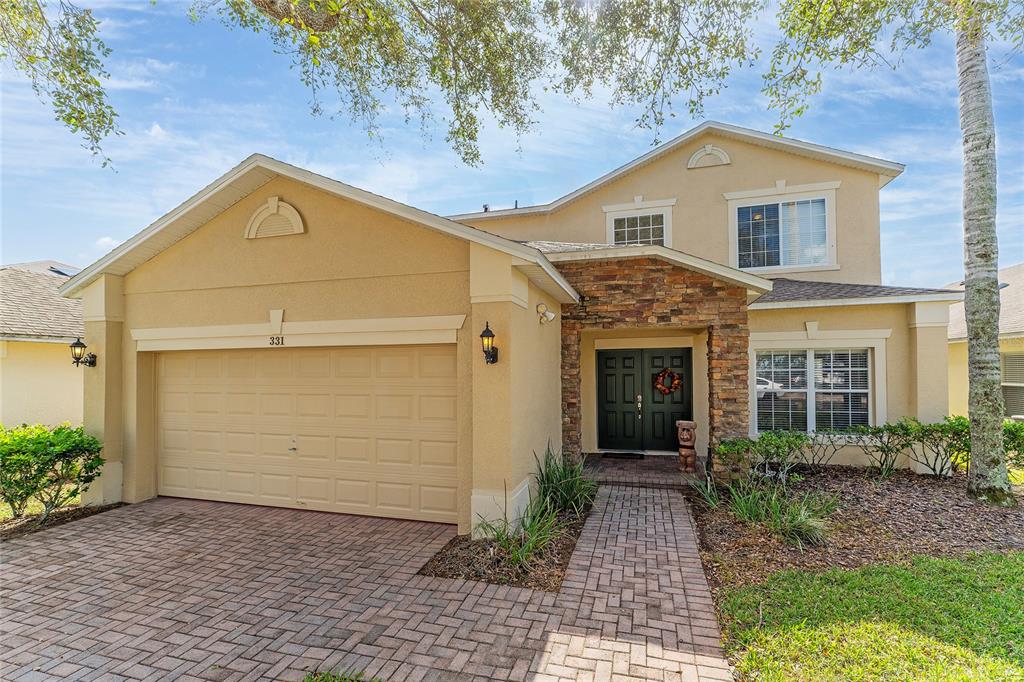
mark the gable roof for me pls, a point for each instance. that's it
(256, 171)
(796, 293)
(31, 307)
(1011, 305)
(887, 170)
(572, 251)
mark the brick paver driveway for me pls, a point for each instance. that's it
(182, 589)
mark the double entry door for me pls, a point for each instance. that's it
(632, 414)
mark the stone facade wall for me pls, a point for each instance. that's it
(650, 293)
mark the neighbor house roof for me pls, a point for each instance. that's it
(1011, 305)
(886, 170)
(256, 171)
(795, 293)
(31, 308)
(574, 251)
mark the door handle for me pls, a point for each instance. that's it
(639, 406)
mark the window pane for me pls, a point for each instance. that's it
(759, 243)
(1013, 397)
(639, 229)
(781, 390)
(841, 383)
(803, 232)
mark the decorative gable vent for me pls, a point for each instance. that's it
(274, 219)
(707, 156)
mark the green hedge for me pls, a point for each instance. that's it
(940, 447)
(51, 465)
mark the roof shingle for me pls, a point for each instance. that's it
(792, 290)
(1011, 305)
(31, 307)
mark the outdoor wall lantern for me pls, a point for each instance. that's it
(487, 340)
(79, 356)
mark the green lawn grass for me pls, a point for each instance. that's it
(936, 619)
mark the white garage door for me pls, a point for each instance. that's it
(357, 430)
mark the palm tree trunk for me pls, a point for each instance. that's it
(987, 477)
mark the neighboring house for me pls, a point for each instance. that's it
(1011, 345)
(282, 338)
(38, 383)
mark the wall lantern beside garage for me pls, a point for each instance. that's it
(487, 341)
(79, 356)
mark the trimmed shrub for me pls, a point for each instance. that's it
(884, 444)
(1013, 442)
(934, 446)
(52, 466)
(731, 459)
(821, 447)
(775, 453)
(562, 484)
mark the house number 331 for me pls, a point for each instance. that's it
(276, 340)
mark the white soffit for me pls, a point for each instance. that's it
(255, 172)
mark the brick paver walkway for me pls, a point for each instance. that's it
(183, 589)
(649, 471)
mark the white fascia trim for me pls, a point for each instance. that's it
(781, 188)
(339, 189)
(871, 300)
(710, 268)
(359, 332)
(639, 203)
(40, 339)
(887, 170)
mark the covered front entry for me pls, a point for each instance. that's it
(364, 430)
(632, 413)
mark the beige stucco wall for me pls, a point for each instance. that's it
(958, 370)
(701, 215)
(38, 384)
(353, 262)
(915, 354)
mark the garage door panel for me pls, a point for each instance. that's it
(358, 430)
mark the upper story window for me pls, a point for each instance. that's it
(647, 228)
(641, 223)
(789, 233)
(784, 228)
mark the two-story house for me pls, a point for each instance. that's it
(286, 339)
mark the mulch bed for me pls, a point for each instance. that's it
(12, 528)
(471, 559)
(875, 522)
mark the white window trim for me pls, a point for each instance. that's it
(637, 208)
(779, 194)
(814, 339)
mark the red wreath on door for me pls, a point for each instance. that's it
(667, 382)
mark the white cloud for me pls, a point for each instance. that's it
(157, 132)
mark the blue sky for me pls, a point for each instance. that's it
(196, 98)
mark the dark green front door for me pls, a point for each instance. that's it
(632, 415)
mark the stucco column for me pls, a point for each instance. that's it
(929, 351)
(103, 312)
